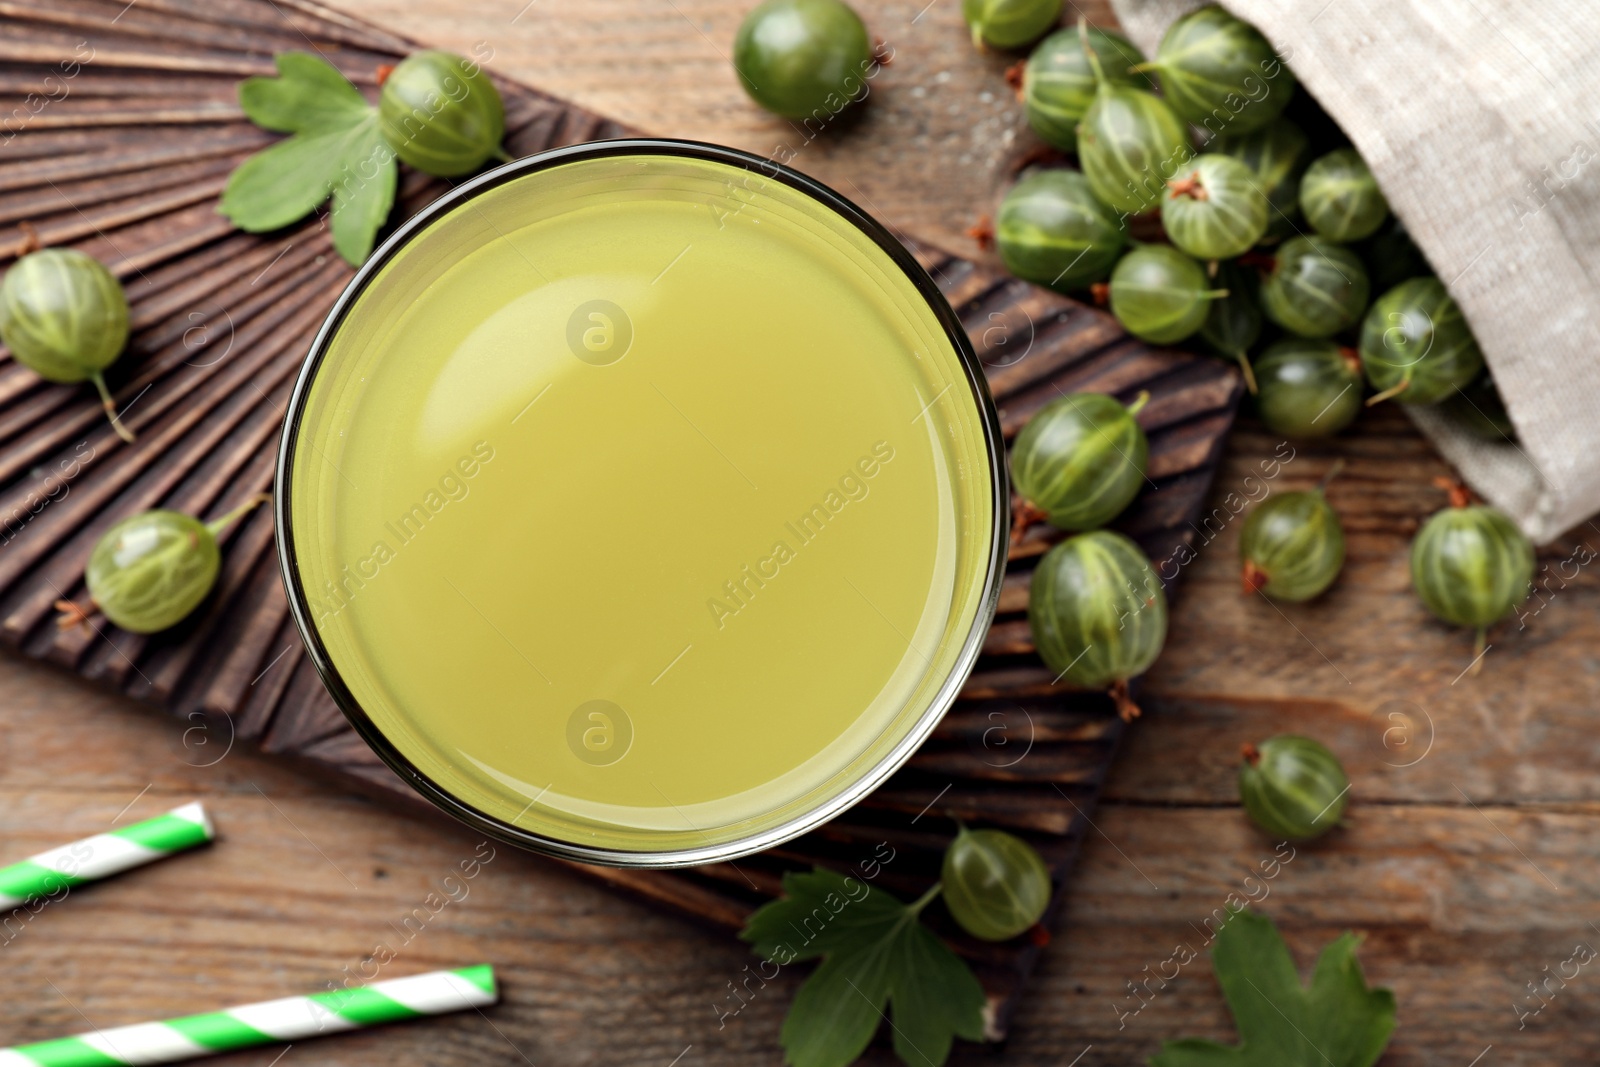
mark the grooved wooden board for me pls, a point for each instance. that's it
(122, 130)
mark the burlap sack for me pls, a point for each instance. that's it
(1481, 120)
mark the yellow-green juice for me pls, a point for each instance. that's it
(643, 504)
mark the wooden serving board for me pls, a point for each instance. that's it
(123, 127)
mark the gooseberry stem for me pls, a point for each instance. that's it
(1333, 472)
(502, 155)
(1255, 579)
(1214, 294)
(1477, 651)
(1250, 753)
(216, 526)
(1139, 402)
(916, 906)
(1126, 708)
(1392, 391)
(1247, 370)
(1460, 495)
(111, 407)
(1089, 53)
(1024, 513)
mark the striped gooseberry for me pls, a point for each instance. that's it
(65, 317)
(441, 114)
(1098, 613)
(1213, 208)
(1292, 545)
(1051, 230)
(1340, 198)
(1058, 84)
(1470, 564)
(1078, 462)
(1009, 23)
(1233, 324)
(1314, 288)
(1307, 388)
(1278, 154)
(1129, 142)
(1292, 787)
(1217, 71)
(1416, 346)
(994, 883)
(1161, 295)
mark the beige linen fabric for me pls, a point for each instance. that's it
(1481, 120)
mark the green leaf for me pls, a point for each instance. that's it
(363, 192)
(1337, 1022)
(336, 149)
(309, 96)
(876, 953)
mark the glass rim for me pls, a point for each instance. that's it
(497, 828)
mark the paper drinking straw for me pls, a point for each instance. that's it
(289, 1019)
(103, 855)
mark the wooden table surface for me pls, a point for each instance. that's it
(1469, 861)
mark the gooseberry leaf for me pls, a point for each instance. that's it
(336, 149)
(876, 953)
(308, 95)
(1337, 1021)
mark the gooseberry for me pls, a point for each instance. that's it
(1307, 388)
(1129, 142)
(1233, 325)
(1477, 408)
(1058, 83)
(1340, 197)
(1292, 787)
(65, 317)
(1392, 257)
(1098, 613)
(1278, 153)
(1315, 287)
(1078, 462)
(1292, 545)
(1160, 294)
(1214, 208)
(1051, 230)
(1416, 345)
(995, 885)
(1215, 71)
(1009, 23)
(1471, 565)
(803, 58)
(441, 114)
(149, 571)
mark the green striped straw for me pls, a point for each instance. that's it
(103, 855)
(289, 1019)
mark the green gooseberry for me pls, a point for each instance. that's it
(1392, 257)
(1340, 198)
(149, 571)
(803, 59)
(441, 114)
(1058, 83)
(995, 884)
(1477, 408)
(1278, 154)
(1129, 142)
(1292, 546)
(1292, 787)
(1416, 345)
(1315, 287)
(1098, 613)
(1214, 208)
(1471, 565)
(1233, 324)
(1161, 295)
(65, 317)
(1079, 462)
(1307, 388)
(1009, 23)
(1051, 230)
(1217, 71)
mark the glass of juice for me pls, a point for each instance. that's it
(642, 503)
